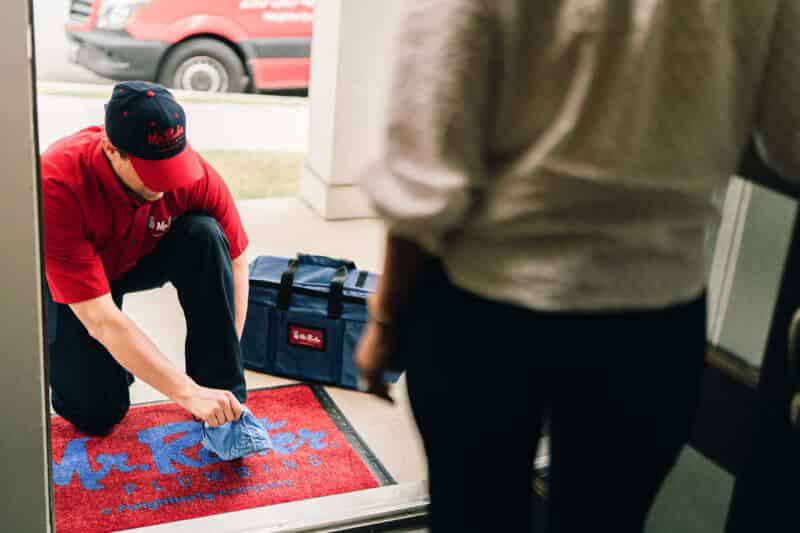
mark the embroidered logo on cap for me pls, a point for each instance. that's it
(167, 139)
(307, 337)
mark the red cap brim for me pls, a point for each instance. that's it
(169, 174)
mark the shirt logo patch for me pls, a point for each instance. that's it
(159, 226)
(307, 337)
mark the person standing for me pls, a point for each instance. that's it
(128, 207)
(547, 183)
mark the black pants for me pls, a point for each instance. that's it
(89, 387)
(620, 387)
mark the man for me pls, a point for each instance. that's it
(127, 208)
(547, 184)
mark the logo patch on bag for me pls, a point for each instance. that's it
(307, 337)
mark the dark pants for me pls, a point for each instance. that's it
(620, 388)
(90, 389)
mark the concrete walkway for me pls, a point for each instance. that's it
(275, 226)
(284, 227)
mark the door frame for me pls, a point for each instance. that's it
(24, 392)
(742, 423)
(770, 468)
(25, 445)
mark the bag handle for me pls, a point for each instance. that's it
(335, 289)
(336, 293)
(287, 280)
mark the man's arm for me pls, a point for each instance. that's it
(241, 289)
(136, 352)
(76, 276)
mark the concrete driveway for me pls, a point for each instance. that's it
(49, 17)
(256, 123)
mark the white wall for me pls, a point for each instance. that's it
(364, 84)
(322, 91)
(350, 79)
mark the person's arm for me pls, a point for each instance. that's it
(406, 266)
(76, 277)
(777, 135)
(241, 290)
(136, 352)
(435, 162)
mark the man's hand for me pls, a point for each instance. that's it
(213, 406)
(373, 357)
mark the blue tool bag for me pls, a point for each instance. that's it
(305, 317)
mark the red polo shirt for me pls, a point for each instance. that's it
(95, 230)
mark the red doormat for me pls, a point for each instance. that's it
(152, 468)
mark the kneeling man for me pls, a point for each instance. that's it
(128, 207)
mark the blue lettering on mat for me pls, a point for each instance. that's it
(154, 505)
(282, 443)
(168, 444)
(286, 443)
(76, 459)
(120, 461)
(166, 453)
(214, 475)
(315, 438)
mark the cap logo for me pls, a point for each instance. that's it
(167, 139)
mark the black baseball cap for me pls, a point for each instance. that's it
(144, 120)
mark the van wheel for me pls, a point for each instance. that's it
(204, 65)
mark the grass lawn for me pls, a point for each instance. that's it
(257, 174)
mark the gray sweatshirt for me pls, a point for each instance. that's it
(562, 154)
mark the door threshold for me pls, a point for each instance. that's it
(393, 505)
